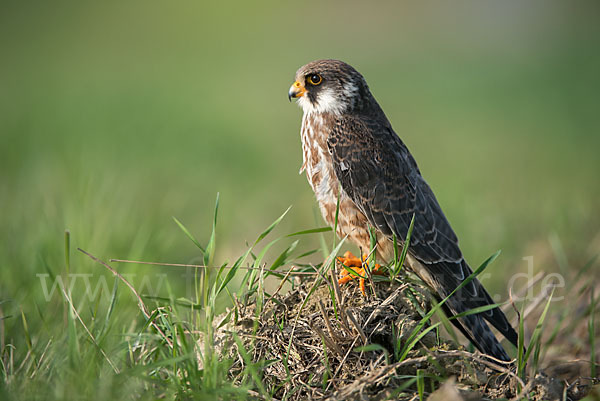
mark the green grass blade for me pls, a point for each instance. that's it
(210, 247)
(396, 256)
(477, 310)
(537, 332)
(405, 246)
(189, 235)
(337, 215)
(592, 332)
(420, 384)
(181, 301)
(234, 269)
(68, 251)
(521, 345)
(374, 348)
(307, 253)
(283, 256)
(217, 286)
(111, 306)
(447, 324)
(411, 380)
(373, 244)
(311, 231)
(259, 259)
(412, 341)
(272, 226)
(74, 349)
(26, 331)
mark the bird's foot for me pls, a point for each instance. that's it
(355, 267)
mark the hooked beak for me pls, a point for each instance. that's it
(296, 90)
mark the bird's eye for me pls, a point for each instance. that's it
(314, 79)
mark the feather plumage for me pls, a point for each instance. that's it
(348, 142)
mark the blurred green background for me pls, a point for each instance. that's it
(116, 116)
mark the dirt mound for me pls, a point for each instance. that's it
(320, 341)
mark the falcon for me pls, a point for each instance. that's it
(351, 152)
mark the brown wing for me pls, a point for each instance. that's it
(379, 174)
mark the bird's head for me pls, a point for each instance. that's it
(329, 86)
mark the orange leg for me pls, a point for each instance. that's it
(356, 265)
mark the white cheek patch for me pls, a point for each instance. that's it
(326, 102)
(305, 104)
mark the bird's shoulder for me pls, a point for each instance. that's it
(372, 140)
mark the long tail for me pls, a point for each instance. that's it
(471, 296)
